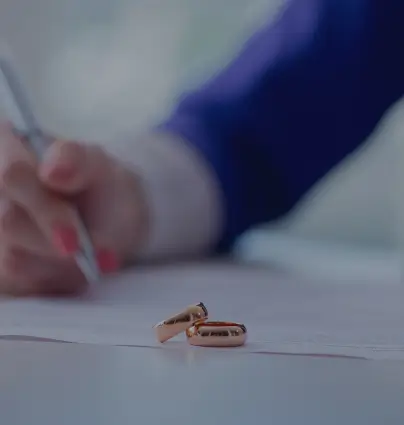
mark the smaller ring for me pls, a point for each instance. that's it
(174, 325)
(217, 334)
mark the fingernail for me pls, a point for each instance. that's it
(66, 239)
(61, 173)
(107, 261)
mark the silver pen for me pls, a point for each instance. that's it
(16, 105)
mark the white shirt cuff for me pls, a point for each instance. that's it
(182, 195)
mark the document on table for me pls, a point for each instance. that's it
(282, 315)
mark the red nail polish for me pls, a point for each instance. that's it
(66, 239)
(107, 261)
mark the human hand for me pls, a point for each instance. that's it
(38, 222)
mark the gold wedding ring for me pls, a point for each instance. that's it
(173, 326)
(217, 334)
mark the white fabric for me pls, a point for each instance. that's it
(181, 193)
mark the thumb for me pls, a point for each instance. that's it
(71, 168)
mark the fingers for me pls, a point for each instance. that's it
(19, 270)
(55, 218)
(23, 273)
(34, 218)
(28, 264)
(71, 168)
(15, 161)
(114, 216)
(19, 182)
(18, 230)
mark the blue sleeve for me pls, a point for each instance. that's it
(303, 93)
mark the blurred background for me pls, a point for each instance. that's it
(100, 68)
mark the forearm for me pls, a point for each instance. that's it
(247, 145)
(302, 94)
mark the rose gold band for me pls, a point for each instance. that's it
(217, 334)
(174, 325)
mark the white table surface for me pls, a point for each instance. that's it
(69, 384)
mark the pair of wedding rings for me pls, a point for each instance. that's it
(199, 331)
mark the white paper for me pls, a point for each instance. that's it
(282, 315)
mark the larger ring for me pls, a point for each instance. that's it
(174, 325)
(217, 334)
